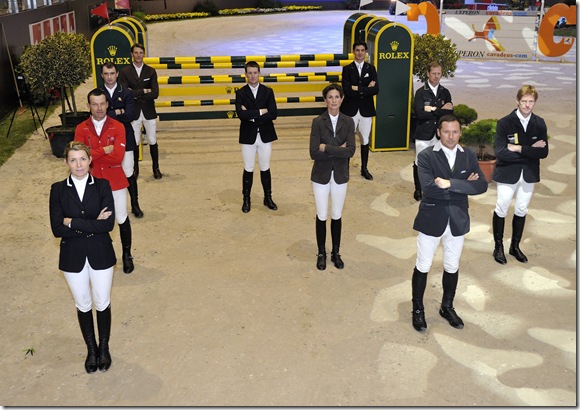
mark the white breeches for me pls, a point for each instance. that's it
(90, 286)
(264, 151)
(420, 145)
(427, 245)
(128, 163)
(505, 192)
(363, 125)
(150, 129)
(337, 194)
(120, 199)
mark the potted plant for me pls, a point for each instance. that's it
(465, 114)
(480, 136)
(61, 61)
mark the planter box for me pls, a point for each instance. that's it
(59, 137)
(72, 119)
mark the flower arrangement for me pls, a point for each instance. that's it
(228, 12)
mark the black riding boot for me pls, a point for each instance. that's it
(517, 232)
(335, 231)
(125, 231)
(418, 285)
(88, 330)
(136, 162)
(364, 159)
(134, 195)
(104, 325)
(417, 194)
(447, 310)
(154, 150)
(498, 225)
(266, 178)
(247, 180)
(321, 243)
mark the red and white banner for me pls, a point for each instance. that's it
(45, 28)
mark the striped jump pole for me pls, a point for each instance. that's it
(245, 59)
(232, 101)
(236, 79)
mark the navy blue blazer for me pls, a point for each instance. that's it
(427, 120)
(87, 237)
(442, 206)
(251, 120)
(509, 165)
(122, 98)
(363, 98)
(148, 79)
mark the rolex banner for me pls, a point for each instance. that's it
(391, 51)
(110, 43)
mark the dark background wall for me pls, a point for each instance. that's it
(15, 36)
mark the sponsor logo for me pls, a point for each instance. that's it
(488, 33)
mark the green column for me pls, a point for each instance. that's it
(390, 48)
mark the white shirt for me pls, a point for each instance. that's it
(524, 120)
(434, 89)
(99, 124)
(334, 121)
(451, 154)
(359, 67)
(138, 69)
(111, 90)
(80, 185)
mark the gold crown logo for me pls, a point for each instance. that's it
(112, 50)
(394, 45)
(229, 90)
(230, 114)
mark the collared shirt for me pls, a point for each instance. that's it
(334, 121)
(524, 120)
(111, 90)
(434, 89)
(98, 124)
(451, 154)
(359, 67)
(80, 184)
(138, 69)
(254, 89)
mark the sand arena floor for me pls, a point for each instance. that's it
(226, 308)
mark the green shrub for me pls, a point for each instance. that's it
(428, 48)
(208, 6)
(466, 115)
(480, 135)
(269, 4)
(140, 15)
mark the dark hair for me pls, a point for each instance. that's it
(109, 65)
(359, 43)
(448, 118)
(137, 45)
(95, 93)
(433, 64)
(331, 87)
(76, 146)
(251, 64)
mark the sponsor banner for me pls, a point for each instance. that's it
(492, 34)
(45, 28)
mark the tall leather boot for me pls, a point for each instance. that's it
(154, 150)
(125, 231)
(104, 325)
(498, 225)
(417, 194)
(517, 232)
(88, 330)
(136, 162)
(134, 195)
(335, 231)
(321, 243)
(447, 310)
(247, 181)
(418, 285)
(266, 178)
(364, 160)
